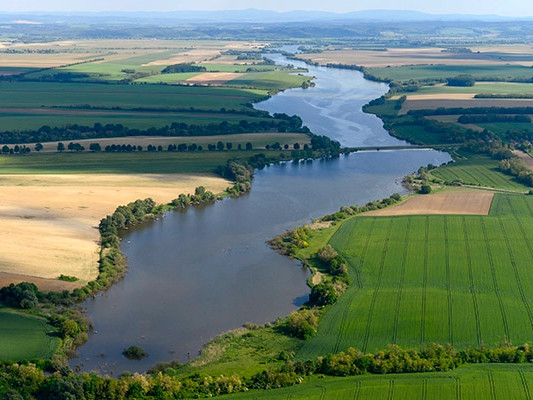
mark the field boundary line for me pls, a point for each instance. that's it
(390, 395)
(516, 273)
(424, 284)
(448, 280)
(528, 206)
(346, 310)
(491, 385)
(424, 389)
(400, 285)
(458, 390)
(495, 280)
(487, 177)
(467, 172)
(323, 391)
(471, 279)
(524, 383)
(378, 285)
(357, 390)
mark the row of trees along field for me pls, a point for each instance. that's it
(276, 123)
(220, 146)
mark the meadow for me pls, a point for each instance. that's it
(25, 337)
(479, 88)
(120, 163)
(471, 382)
(463, 280)
(30, 105)
(478, 170)
(441, 72)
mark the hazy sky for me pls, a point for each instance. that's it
(507, 7)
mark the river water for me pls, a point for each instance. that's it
(197, 273)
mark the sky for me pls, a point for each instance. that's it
(506, 8)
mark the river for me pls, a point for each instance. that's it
(197, 273)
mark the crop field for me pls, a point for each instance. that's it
(273, 80)
(500, 128)
(395, 57)
(120, 163)
(432, 102)
(53, 94)
(472, 382)
(463, 280)
(258, 140)
(25, 337)
(478, 88)
(438, 71)
(448, 202)
(478, 170)
(30, 105)
(416, 134)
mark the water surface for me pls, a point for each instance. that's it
(195, 274)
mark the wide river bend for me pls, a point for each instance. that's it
(197, 273)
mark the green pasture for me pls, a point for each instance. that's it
(49, 94)
(32, 119)
(436, 72)
(478, 170)
(500, 128)
(25, 337)
(168, 78)
(119, 163)
(501, 88)
(463, 280)
(30, 105)
(472, 382)
(274, 80)
(416, 133)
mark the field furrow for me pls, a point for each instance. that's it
(495, 280)
(471, 282)
(424, 284)
(357, 272)
(390, 394)
(377, 286)
(492, 387)
(400, 284)
(448, 281)
(524, 384)
(516, 273)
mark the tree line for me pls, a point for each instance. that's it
(27, 380)
(182, 147)
(71, 132)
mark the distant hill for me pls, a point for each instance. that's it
(249, 15)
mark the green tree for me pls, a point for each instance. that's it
(38, 146)
(60, 146)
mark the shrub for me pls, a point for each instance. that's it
(134, 353)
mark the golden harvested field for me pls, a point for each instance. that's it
(429, 102)
(477, 203)
(49, 222)
(213, 78)
(410, 56)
